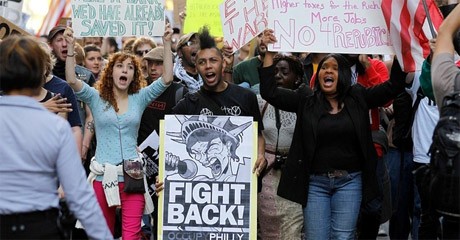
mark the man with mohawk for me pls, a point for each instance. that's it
(217, 97)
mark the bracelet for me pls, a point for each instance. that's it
(71, 55)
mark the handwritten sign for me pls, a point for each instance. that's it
(242, 20)
(209, 189)
(116, 18)
(8, 28)
(12, 10)
(340, 26)
(201, 13)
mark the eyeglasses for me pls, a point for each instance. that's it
(141, 53)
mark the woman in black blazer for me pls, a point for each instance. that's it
(331, 166)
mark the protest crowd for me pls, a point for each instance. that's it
(346, 141)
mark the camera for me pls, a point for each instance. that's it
(279, 161)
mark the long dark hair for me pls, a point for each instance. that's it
(343, 82)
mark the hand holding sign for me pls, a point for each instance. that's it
(167, 36)
(268, 37)
(227, 52)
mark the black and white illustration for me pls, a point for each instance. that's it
(207, 163)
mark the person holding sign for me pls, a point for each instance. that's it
(330, 177)
(117, 103)
(217, 97)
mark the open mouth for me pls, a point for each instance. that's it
(210, 75)
(328, 81)
(216, 168)
(123, 79)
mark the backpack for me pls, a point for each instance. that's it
(445, 159)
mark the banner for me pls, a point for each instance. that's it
(209, 191)
(242, 20)
(200, 13)
(7, 28)
(118, 18)
(12, 10)
(334, 26)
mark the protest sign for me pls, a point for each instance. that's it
(200, 13)
(12, 10)
(7, 28)
(209, 188)
(340, 26)
(117, 18)
(242, 20)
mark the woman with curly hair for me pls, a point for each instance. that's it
(117, 102)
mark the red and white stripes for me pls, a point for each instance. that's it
(409, 30)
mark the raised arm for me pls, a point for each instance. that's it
(443, 66)
(168, 59)
(70, 63)
(282, 98)
(449, 27)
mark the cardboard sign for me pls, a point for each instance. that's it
(117, 18)
(209, 191)
(339, 26)
(12, 10)
(242, 20)
(7, 28)
(201, 13)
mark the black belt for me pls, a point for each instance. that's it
(333, 174)
(50, 213)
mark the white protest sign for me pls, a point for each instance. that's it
(116, 18)
(339, 26)
(12, 10)
(242, 20)
(206, 164)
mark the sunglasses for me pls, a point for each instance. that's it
(190, 43)
(141, 53)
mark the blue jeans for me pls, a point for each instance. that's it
(405, 198)
(332, 207)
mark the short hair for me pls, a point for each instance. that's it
(91, 48)
(80, 54)
(294, 63)
(21, 63)
(50, 59)
(143, 40)
(128, 47)
(113, 43)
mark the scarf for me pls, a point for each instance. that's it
(192, 84)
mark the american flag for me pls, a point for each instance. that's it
(58, 9)
(407, 23)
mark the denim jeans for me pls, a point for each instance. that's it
(404, 194)
(332, 207)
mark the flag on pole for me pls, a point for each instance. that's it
(409, 29)
(58, 9)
